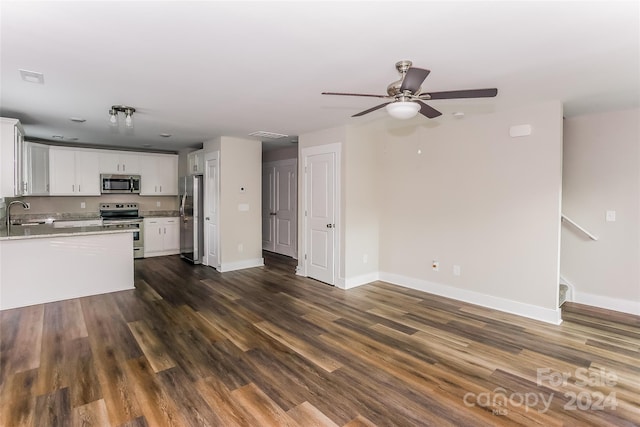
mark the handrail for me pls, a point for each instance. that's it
(572, 222)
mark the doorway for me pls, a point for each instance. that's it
(279, 207)
(321, 236)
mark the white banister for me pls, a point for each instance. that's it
(572, 222)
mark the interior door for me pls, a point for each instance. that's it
(268, 208)
(211, 212)
(285, 220)
(320, 209)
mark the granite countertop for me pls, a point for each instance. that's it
(21, 232)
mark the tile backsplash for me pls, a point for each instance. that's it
(73, 204)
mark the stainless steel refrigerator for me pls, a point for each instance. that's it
(191, 218)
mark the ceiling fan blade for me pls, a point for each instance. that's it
(377, 107)
(413, 79)
(355, 94)
(470, 93)
(428, 111)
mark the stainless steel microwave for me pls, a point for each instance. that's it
(110, 184)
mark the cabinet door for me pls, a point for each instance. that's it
(129, 163)
(168, 175)
(20, 182)
(148, 176)
(62, 172)
(153, 236)
(172, 235)
(109, 162)
(87, 175)
(36, 168)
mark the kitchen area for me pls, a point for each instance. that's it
(74, 218)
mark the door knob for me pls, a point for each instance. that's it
(272, 213)
(207, 218)
(329, 225)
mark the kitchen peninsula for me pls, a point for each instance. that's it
(41, 263)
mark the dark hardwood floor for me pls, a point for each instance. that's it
(263, 347)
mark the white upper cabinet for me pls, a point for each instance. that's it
(11, 162)
(195, 162)
(159, 175)
(119, 162)
(73, 172)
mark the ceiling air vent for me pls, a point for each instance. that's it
(32, 76)
(270, 135)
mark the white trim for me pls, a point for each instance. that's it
(361, 280)
(616, 304)
(547, 315)
(240, 265)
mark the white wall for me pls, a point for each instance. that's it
(477, 198)
(240, 230)
(601, 173)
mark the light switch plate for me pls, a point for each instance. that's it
(611, 216)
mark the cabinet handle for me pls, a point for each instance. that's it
(118, 167)
(79, 188)
(165, 231)
(73, 188)
(124, 167)
(161, 188)
(159, 231)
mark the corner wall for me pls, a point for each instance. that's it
(465, 193)
(602, 173)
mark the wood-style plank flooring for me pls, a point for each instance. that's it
(263, 347)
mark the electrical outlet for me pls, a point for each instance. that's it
(83, 205)
(240, 247)
(456, 270)
(435, 265)
(365, 258)
(158, 204)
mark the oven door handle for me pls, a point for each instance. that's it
(131, 184)
(122, 223)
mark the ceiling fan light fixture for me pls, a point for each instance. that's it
(403, 110)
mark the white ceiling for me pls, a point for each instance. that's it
(198, 70)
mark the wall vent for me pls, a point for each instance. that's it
(270, 135)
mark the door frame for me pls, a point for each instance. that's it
(303, 226)
(205, 259)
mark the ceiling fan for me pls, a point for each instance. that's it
(407, 95)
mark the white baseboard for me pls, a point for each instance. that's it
(239, 265)
(625, 306)
(361, 280)
(547, 315)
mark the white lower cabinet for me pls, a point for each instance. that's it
(161, 236)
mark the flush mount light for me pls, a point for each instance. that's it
(77, 119)
(32, 76)
(403, 110)
(73, 138)
(165, 135)
(57, 136)
(128, 115)
(458, 114)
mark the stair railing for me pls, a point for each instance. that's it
(573, 223)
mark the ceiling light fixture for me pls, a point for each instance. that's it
(403, 110)
(128, 112)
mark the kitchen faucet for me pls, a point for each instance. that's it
(15, 202)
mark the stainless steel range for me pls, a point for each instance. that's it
(125, 215)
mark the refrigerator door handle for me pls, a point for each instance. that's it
(184, 200)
